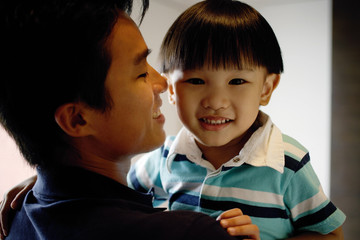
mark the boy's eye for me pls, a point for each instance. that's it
(195, 81)
(237, 81)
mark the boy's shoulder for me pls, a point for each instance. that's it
(296, 154)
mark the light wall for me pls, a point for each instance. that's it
(13, 169)
(301, 104)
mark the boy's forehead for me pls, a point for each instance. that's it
(209, 67)
(179, 73)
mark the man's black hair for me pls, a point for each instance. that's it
(53, 52)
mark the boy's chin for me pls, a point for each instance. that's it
(211, 142)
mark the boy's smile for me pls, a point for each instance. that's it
(214, 123)
(219, 106)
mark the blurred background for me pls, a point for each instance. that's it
(315, 102)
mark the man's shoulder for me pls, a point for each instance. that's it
(164, 225)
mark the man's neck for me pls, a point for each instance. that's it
(116, 170)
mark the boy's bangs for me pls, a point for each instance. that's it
(234, 36)
(219, 48)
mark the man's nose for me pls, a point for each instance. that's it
(158, 82)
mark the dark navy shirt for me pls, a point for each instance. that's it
(71, 203)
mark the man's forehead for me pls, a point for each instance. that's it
(126, 41)
(141, 56)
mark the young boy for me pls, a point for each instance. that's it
(223, 61)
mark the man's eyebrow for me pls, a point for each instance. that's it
(141, 56)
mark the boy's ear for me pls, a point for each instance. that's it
(271, 82)
(171, 94)
(170, 88)
(71, 120)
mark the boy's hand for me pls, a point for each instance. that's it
(238, 224)
(13, 201)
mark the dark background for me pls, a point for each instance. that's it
(345, 141)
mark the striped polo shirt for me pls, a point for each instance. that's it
(271, 180)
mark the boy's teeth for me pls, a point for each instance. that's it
(215, 122)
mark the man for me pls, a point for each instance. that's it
(80, 99)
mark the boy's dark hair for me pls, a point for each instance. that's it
(223, 33)
(53, 52)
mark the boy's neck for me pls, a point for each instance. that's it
(217, 156)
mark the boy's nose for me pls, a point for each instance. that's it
(215, 100)
(158, 82)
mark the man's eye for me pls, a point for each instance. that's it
(237, 81)
(195, 81)
(144, 75)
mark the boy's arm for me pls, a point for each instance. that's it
(311, 211)
(238, 224)
(335, 235)
(13, 201)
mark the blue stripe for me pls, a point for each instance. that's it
(224, 169)
(165, 152)
(294, 164)
(135, 182)
(181, 158)
(184, 198)
(254, 211)
(317, 217)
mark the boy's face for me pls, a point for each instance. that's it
(134, 124)
(219, 106)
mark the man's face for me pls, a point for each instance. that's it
(134, 124)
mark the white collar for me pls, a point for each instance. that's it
(264, 148)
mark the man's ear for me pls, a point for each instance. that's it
(271, 82)
(70, 119)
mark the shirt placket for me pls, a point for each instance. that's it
(207, 183)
